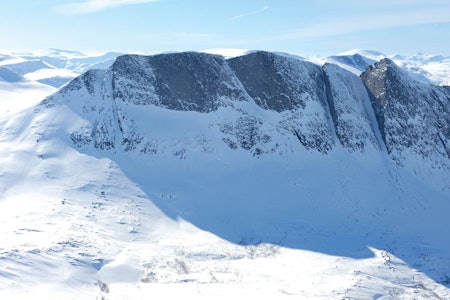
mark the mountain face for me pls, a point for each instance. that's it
(185, 81)
(307, 106)
(351, 112)
(413, 117)
(192, 170)
(291, 87)
(278, 83)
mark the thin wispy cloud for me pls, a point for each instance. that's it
(92, 6)
(354, 24)
(256, 12)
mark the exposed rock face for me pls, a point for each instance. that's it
(89, 96)
(179, 81)
(279, 83)
(261, 102)
(290, 86)
(413, 117)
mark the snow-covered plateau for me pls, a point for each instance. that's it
(251, 175)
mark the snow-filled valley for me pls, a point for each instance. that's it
(261, 176)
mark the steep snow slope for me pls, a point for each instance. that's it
(149, 191)
(352, 113)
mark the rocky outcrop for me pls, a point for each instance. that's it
(277, 82)
(413, 117)
(181, 81)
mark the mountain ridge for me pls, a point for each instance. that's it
(283, 87)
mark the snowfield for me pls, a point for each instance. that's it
(73, 231)
(106, 199)
(16, 96)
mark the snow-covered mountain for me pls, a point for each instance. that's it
(426, 68)
(271, 96)
(54, 67)
(27, 78)
(191, 174)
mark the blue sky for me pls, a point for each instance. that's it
(310, 27)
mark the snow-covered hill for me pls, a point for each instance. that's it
(258, 176)
(8, 75)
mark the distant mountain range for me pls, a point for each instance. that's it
(55, 67)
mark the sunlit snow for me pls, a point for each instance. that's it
(210, 222)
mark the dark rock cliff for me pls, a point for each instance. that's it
(279, 83)
(413, 116)
(179, 81)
